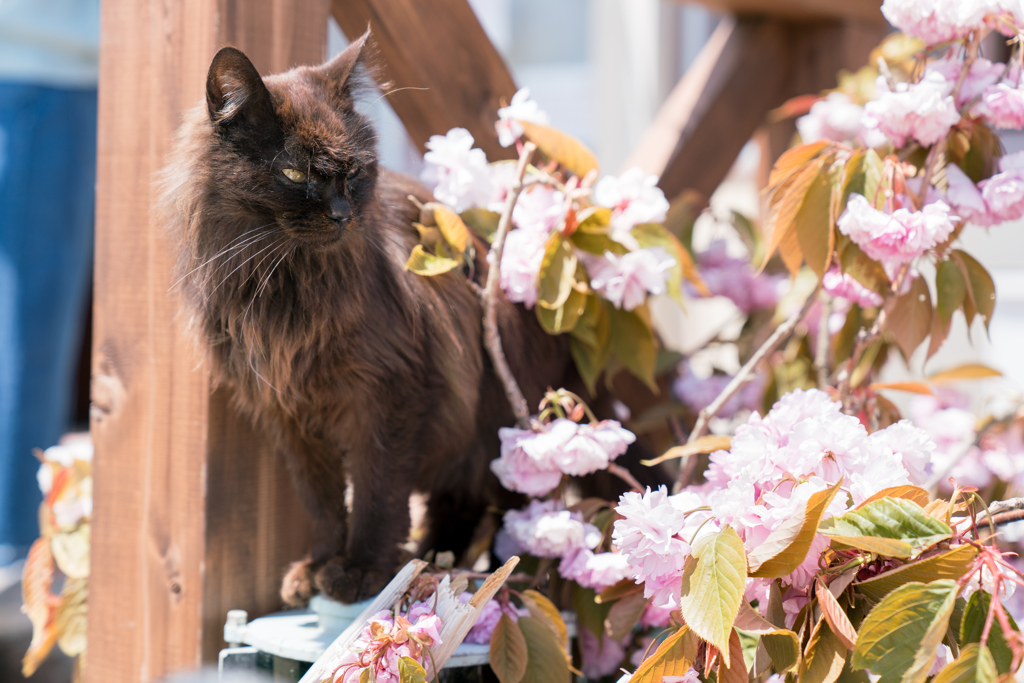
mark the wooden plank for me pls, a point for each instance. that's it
(154, 424)
(439, 51)
(802, 10)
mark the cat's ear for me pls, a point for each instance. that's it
(338, 74)
(234, 89)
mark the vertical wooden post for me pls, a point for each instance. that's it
(192, 513)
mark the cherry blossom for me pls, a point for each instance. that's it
(697, 393)
(601, 656)
(457, 173)
(521, 108)
(837, 118)
(521, 259)
(489, 617)
(594, 570)
(839, 284)
(939, 21)
(547, 529)
(634, 198)
(924, 110)
(735, 279)
(1002, 105)
(1004, 192)
(625, 280)
(385, 640)
(896, 238)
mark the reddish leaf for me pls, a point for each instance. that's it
(910, 319)
(508, 651)
(736, 670)
(836, 616)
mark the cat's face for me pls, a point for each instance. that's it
(291, 151)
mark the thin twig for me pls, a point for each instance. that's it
(1007, 517)
(492, 338)
(1009, 505)
(780, 333)
(821, 352)
(625, 475)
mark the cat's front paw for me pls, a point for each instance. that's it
(298, 585)
(347, 583)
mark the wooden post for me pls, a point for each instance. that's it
(438, 51)
(192, 513)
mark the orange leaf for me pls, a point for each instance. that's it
(907, 491)
(912, 387)
(792, 159)
(784, 203)
(836, 617)
(736, 670)
(966, 371)
(36, 581)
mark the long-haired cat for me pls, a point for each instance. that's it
(291, 246)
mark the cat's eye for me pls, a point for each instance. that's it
(294, 175)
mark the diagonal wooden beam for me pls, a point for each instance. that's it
(802, 10)
(439, 51)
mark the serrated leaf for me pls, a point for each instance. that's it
(838, 622)
(973, 624)
(894, 527)
(786, 547)
(410, 671)
(910, 319)
(508, 651)
(735, 669)
(714, 577)
(813, 225)
(674, 657)
(544, 611)
(962, 372)
(906, 491)
(784, 204)
(981, 287)
(561, 147)
(823, 661)
(974, 665)
(423, 263)
(708, 443)
(546, 662)
(624, 615)
(557, 273)
(781, 645)
(900, 636)
(633, 343)
(70, 618)
(950, 289)
(451, 226)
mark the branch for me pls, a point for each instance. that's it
(626, 476)
(780, 333)
(492, 339)
(1009, 505)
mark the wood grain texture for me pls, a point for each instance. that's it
(802, 10)
(165, 564)
(439, 47)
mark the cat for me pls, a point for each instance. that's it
(291, 246)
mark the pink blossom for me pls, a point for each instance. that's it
(939, 21)
(597, 571)
(924, 111)
(964, 196)
(457, 174)
(830, 446)
(1004, 192)
(802, 577)
(521, 108)
(591, 447)
(656, 616)
(484, 626)
(792, 602)
(691, 676)
(839, 119)
(734, 279)
(600, 656)
(523, 466)
(698, 393)
(539, 209)
(521, 259)
(547, 529)
(912, 445)
(634, 199)
(1002, 105)
(897, 238)
(982, 75)
(839, 284)
(425, 626)
(626, 280)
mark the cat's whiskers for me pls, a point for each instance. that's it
(272, 245)
(235, 244)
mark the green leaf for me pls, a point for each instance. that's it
(564, 318)
(633, 343)
(824, 658)
(410, 671)
(814, 230)
(594, 220)
(451, 226)
(423, 263)
(597, 243)
(508, 651)
(973, 625)
(655, 235)
(951, 289)
(948, 565)
(544, 611)
(786, 548)
(894, 527)
(624, 615)
(589, 613)
(782, 645)
(900, 636)
(982, 288)
(366, 675)
(557, 273)
(563, 148)
(674, 657)
(974, 665)
(864, 270)
(714, 577)
(546, 662)
(910, 318)
(482, 222)
(863, 176)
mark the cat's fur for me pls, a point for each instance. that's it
(358, 368)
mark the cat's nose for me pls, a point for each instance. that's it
(339, 210)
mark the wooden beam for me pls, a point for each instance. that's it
(193, 515)
(748, 67)
(802, 10)
(439, 51)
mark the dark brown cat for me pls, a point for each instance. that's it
(291, 249)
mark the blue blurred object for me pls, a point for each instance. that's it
(48, 72)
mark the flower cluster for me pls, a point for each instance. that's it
(940, 21)
(387, 639)
(735, 279)
(697, 393)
